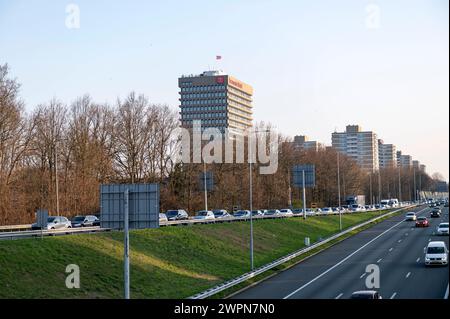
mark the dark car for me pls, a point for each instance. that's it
(366, 294)
(85, 221)
(422, 222)
(435, 213)
(177, 214)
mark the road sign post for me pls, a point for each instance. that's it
(304, 176)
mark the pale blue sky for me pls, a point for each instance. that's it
(315, 65)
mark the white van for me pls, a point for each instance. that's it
(436, 253)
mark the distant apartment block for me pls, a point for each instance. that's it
(416, 165)
(387, 155)
(302, 142)
(405, 161)
(360, 145)
(423, 168)
(217, 99)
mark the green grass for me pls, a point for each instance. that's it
(170, 262)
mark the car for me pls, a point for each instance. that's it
(436, 253)
(366, 294)
(177, 214)
(54, 222)
(204, 215)
(422, 222)
(310, 212)
(442, 229)
(257, 213)
(286, 212)
(297, 211)
(96, 222)
(272, 212)
(356, 208)
(327, 210)
(318, 210)
(84, 221)
(242, 214)
(221, 213)
(435, 213)
(411, 216)
(163, 218)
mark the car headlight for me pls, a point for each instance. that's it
(444, 258)
(427, 259)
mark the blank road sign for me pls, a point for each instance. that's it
(143, 205)
(310, 176)
(209, 181)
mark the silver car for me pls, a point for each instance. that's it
(55, 222)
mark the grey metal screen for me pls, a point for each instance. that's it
(209, 181)
(310, 176)
(143, 205)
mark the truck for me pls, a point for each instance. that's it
(355, 200)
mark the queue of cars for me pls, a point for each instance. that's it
(61, 222)
(215, 214)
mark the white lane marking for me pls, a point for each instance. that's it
(406, 234)
(378, 261)
(446, 293)
(343, 260)
(362, 275)
(391, 249)
(429, 239)
(399, 240)
(393, 295)
(418, 259)
(408, 274)
(339, 296)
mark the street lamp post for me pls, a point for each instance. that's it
(339, 192)
(250, 162)
(204, 183)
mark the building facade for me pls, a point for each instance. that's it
(217, 100)
(302, 142)
(387, 155)
(362, 146)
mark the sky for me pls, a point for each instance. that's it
(315, 66)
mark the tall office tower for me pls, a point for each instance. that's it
(360, 145)
(217, 99)
(387, 155)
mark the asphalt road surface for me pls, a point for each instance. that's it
(396, 246)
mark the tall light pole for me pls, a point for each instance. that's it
(370, 189)
(204, 184)
(399, 185)
(414, 184)
(379, 186)
(339, 192)
(250, 168)
(126, 252)
(56, 178)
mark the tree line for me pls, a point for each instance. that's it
(56, 156)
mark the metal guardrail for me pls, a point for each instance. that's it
(233, 282)
(53, 232)
(14, 227)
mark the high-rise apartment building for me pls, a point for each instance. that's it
(416, 165)
(217, 99)
(387, 155)
(360, 145)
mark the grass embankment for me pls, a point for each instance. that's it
(170, 262)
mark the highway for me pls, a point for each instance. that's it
(394, 245)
